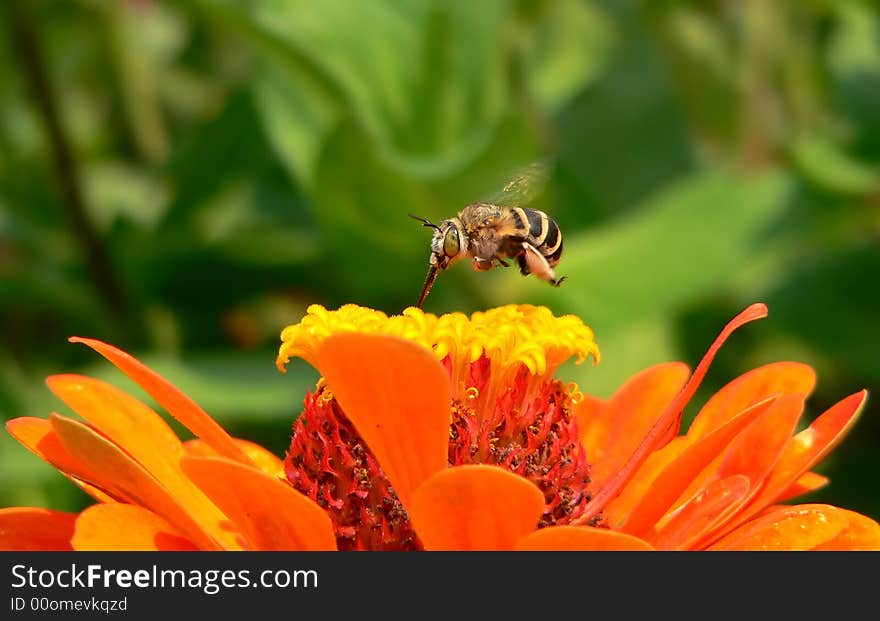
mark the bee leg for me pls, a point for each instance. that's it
(482, 265)
(502, 262)
(533, 262)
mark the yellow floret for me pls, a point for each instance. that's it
(508, 335)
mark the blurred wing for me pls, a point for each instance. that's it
(524, 186)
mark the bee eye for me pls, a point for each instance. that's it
(451, 243)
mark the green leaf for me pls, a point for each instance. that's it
(854, 61)
(623, 137)
(854, 46)
(269, 248)
(297, 115)
(832, 304)
(570, 44)
(227, 147)
(113, 189)
(422, 78)
(832, 169)
(702, 67)
(142, 42)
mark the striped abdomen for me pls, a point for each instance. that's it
(543, 232)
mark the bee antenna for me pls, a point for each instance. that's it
(424, 221)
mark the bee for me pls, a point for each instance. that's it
(491, 234)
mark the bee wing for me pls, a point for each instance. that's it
(526, 184)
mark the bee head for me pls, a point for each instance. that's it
(448, 243)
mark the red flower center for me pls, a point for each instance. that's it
(527, 427)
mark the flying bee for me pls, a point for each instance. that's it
(491, 233)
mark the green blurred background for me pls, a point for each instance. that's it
(183, 178)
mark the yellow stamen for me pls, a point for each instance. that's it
(509, 336)
(575, 393)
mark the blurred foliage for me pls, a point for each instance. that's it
(182, 179)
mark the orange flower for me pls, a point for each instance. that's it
(449, 433)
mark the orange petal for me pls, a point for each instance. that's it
(811, 445)
(126, 527)
(37, 435)
(804, 451)
(398, 397)
(801, 527)
(271, 514)
(583, 538)
(475, 508)
(830, 427)
(587, 409)
(122, 418)
(28, 529)
(588, 413)
(750, 388)
(142, 435)
(171, 398)
(96, 493)
(808, 482)
(754, 453)
(758, 448)
(669, 421)
(612, 436)
(861, 533)
(680, 473)
(125, 478)
(701, 513)
(263, 459)
(641, 485)
(139, 431)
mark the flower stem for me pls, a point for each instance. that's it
(33, 68)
